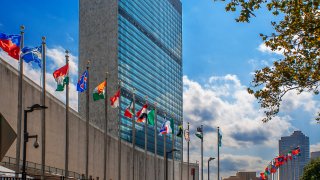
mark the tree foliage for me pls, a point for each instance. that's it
(312, 170)
(297, 36)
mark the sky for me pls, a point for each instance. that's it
(219, 58)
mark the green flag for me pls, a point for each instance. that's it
(199, 133)
(151, 115)
(220, 140)
(172, 125)
(180, 131)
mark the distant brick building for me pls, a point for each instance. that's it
(243, 176)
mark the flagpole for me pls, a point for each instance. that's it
(155, 141)
(218, 155)
(181, 163)
(19, 118)
(188, 153)
(105, 130)
(87, 121)
(202, 153)
(133, 132)
(67, 120)
(173, 147)
(43, 102)
(298, 166)
(119, 133)
(294, 169)
(165, 149)
(146, 142)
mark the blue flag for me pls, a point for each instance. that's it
(82, 83)
(32, 54)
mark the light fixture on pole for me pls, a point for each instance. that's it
(211, 158)
(26, 137)
(167, 153)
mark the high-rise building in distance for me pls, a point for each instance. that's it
(140, 44)
(293, 169)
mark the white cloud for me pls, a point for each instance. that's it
(56, 59)
(263, 48)
(292, 101)
(57, 56)
(315, 147)
(223, 101)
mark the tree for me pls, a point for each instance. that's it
(312, 170)
(297, 36)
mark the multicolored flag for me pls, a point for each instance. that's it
(129, 111)
(262, 176)
(61, 77)
(82, 82)
(99, 91)
(115, 99)
(296, 151)
(180, 130)
(273, 169)
(142, 114)
(10, 44)
(199, 133)
(289, 155)
(151, 116)
(32, 54)
(165, 128)
(187, 135)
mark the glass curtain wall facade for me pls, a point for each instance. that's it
(150, 60)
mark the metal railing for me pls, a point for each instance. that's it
(34, 168)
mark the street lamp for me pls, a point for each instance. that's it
(211, 158)
(26, 137)
(167, 153)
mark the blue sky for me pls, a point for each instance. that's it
(219, 56)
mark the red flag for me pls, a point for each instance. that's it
(142, 114)
(129, 111)
(10, 44)
(296, 151)
(262, 176)
(115, 99)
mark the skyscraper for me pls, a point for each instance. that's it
(140, 44)
(294, 169)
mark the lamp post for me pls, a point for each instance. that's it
(211, 158)
(26, 137)
(167, 153)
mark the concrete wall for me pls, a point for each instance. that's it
(98, 42)
(55, 137)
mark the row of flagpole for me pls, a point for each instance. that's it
(14, 45)
(278, 162)
(62, 77)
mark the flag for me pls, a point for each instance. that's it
(10, 44)
(142, 114)
(129, 111)
(172, 125)
(273, 169)
(151, 116)
(180, 130)
(279, 161)
(289, 155)
(32, 55)
(199, 133)
(165, 128)
(115, 99)
(262, 176)
(99, 91)
(61, 77)
(220, 140)
(267, 171)
(82, 82)
(186, 135)
(296, 151)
